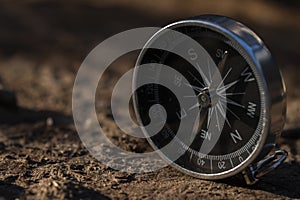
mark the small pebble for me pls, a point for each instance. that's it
(49, 121)
(55, 184)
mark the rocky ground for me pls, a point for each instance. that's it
(42, 44)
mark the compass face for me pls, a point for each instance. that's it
(241, 92)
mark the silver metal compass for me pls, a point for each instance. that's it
(252, 92)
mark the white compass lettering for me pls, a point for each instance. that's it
(241, 159)
(205, 135)
(236, 136)
(221, 165)
(177, 80)
(251, 108)
(192, 53)
(248, 75)
(219, 53)
(200, 162)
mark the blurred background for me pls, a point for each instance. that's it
(42, 44)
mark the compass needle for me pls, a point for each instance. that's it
(221, 64)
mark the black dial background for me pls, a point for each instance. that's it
(237, 118)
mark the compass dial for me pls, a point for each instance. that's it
(242, 91)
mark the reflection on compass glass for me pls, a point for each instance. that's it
(239, 91)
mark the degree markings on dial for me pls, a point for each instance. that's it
(228, 156)
(191, 156)
(235, 154)
(232, 165)
(248, 151)
(211, 166)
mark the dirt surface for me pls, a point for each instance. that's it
(42, 45)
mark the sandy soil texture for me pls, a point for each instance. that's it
(42, 44)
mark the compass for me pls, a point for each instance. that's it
(238, 92)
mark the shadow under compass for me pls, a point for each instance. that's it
(285, 180)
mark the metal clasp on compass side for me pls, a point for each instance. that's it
(256, 170)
